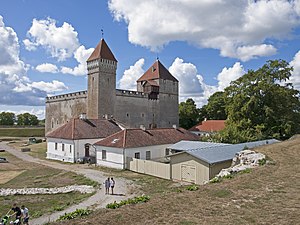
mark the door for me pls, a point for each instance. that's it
(188, 173)
(87, 150)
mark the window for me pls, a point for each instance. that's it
(167, 152)
(70, 148)
(103, 154)
(142, 114)
(55, 146)
(127, 114)
(137, 155)
(63, 147)
(148, 155)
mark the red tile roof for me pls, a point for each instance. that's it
(85, 129)
(102, 51)
(209, 126)
(157, 71)
(133, 138)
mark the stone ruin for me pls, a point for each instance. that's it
(243, 160)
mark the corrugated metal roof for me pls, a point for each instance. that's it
(189, 145)
(221, 153)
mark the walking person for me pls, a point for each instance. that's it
(107, 185)
(112, 185)
(17, 211)
(25, 215)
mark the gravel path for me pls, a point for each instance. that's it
(98, 200)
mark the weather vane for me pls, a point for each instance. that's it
(102, 33)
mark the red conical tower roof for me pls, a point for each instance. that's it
(102, 51)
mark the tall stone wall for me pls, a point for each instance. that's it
(61, 108)
(134, 109)
(168, 103)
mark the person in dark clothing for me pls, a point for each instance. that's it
(17, 211)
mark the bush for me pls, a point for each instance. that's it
(76, 213)
(135, 200)
(262, 162)
(192, 187)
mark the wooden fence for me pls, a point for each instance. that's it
(152, 168)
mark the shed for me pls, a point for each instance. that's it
(202, 164)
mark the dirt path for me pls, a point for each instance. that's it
(98, 200)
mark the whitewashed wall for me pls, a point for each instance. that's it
(70, 154)
(115, 157)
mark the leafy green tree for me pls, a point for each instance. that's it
(261, 104)
(27, 119)
(7, 118)
(215, 108)
(188, 114)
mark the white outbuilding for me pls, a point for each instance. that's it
(74, 140)
(115, 150)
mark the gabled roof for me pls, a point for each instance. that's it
(217, 154)
(209, 126)
(102, 51)
(157, 71)
(133, 138)
(77, 129)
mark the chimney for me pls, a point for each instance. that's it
(174, 126)
(142, 127)
(82, 116)
(106, 116)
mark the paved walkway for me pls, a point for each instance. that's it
(98, 200)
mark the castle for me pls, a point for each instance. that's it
(154, 104)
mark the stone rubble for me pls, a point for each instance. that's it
(243, 160)
(57, 190)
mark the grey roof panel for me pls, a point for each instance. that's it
(222, 153)
(189, 145)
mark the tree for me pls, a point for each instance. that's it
(215, 107)
(261, 104)
(7, 118)
(27, 119)
(188, 114)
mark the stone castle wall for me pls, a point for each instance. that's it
(61, 108)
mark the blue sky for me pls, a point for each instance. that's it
(204, 44)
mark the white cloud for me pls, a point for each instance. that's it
(191, 84)
(131, 75)
(229, 74)
(16, 87)
(81, 55)
(60, 42)
(49, 87)
(238, 29)
(295, 78)
(47, 68)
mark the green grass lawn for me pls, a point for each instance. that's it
(35, 175)
(22, 132)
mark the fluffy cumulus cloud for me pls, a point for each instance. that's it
(49, 87)
(16, 87)
(191, 83)
(81, 55)
(61, 42)
(295, 78)
(47, 68)
(238, 29)
(229, 74)
(131, 75)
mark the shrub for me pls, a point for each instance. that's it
(192, 187)
(262, 162)
(215, 180)
(135, 200)
(76, 213)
